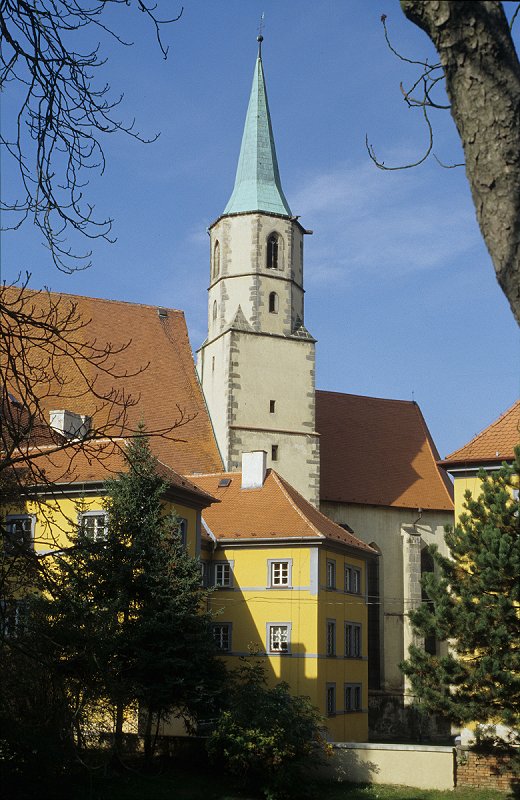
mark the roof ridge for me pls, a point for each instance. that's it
(43, 291)
(367, 397)
(484, 430)
(280, 481)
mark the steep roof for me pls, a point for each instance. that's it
(275, 511)
(378, 452)
(145, 356)
(257, 183)
(494, 444)
(99, 461)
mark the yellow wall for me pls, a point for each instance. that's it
(249, 605)
(56, 519)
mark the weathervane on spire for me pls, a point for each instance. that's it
(260, 37)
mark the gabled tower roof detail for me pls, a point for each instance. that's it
(257, 182)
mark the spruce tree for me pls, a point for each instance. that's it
(474, 605)
(129, 615)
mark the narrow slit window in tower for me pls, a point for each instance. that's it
(274, 452)
(272, 404)
(273, 303)
(272, 251)
(215, 311)
(216, 259)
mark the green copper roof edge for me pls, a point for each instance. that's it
(257, 183)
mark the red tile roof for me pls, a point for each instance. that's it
(98, 461)
(494, 444)
(150, 361)
(378, 452)
(276, 511)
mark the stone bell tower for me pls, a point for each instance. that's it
(257, 364)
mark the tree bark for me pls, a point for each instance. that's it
(483, 84)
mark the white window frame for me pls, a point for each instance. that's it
(330, 637)
(356, 692)
(353, 640)
(11, 544)
(12, 613)
(271, 577)
(227, 580)
(352, 576)
(84, 515)
(225, 634)
(330, 573)
(271, 627)
(330, 699)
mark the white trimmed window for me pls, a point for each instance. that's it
(94, 525)
(352, 640)
(352, 579)
(12, 617)
(330, 700)
(204, 580)
(278, 637)
(19, 533)
(279, 573)
(331, 637)
(183, 529)
(352, 697)
(223, 574)
(331, 573)
(222, 636)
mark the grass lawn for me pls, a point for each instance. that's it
(199, 785)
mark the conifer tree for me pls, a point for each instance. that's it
(474, 605)
(129, 615)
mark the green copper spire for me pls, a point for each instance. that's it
(257, 182)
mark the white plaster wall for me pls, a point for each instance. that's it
(386, 527)
(419, 766)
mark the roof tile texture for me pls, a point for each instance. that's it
(274, 511)
(494, 443)
(378, 452)
(154, 365)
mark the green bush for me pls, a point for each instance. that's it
(267, 737)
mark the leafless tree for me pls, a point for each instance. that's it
(480, 71)
(56, 137)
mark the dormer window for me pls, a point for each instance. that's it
(216, 259)
(273, 303)
(272, 251)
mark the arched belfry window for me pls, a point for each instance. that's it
(273, 303)
(273, 251)
(215, 311)
(216, 259)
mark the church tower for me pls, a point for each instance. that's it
(257, 365)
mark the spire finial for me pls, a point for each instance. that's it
(260, 37)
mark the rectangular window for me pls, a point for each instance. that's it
(18, 533)
(331, 574)
(274, 452)
(278, 637)
(204, 573)
(223, 574)
(182, 524)
(272, 406)
(94, 525)
(352, 640)
(279, 573)
(352, 697)
(352, 579)
(331, 699)
(222, 636)
(12, 617)
(331, 637)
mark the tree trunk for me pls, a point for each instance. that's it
(483, 84)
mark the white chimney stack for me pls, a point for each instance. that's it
(70, 424)
(254, 467)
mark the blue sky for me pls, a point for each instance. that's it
(401, 293)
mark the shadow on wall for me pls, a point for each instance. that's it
(390, 720)
(347, 765)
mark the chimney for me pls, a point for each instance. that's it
(253, 469)
(69, 424)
